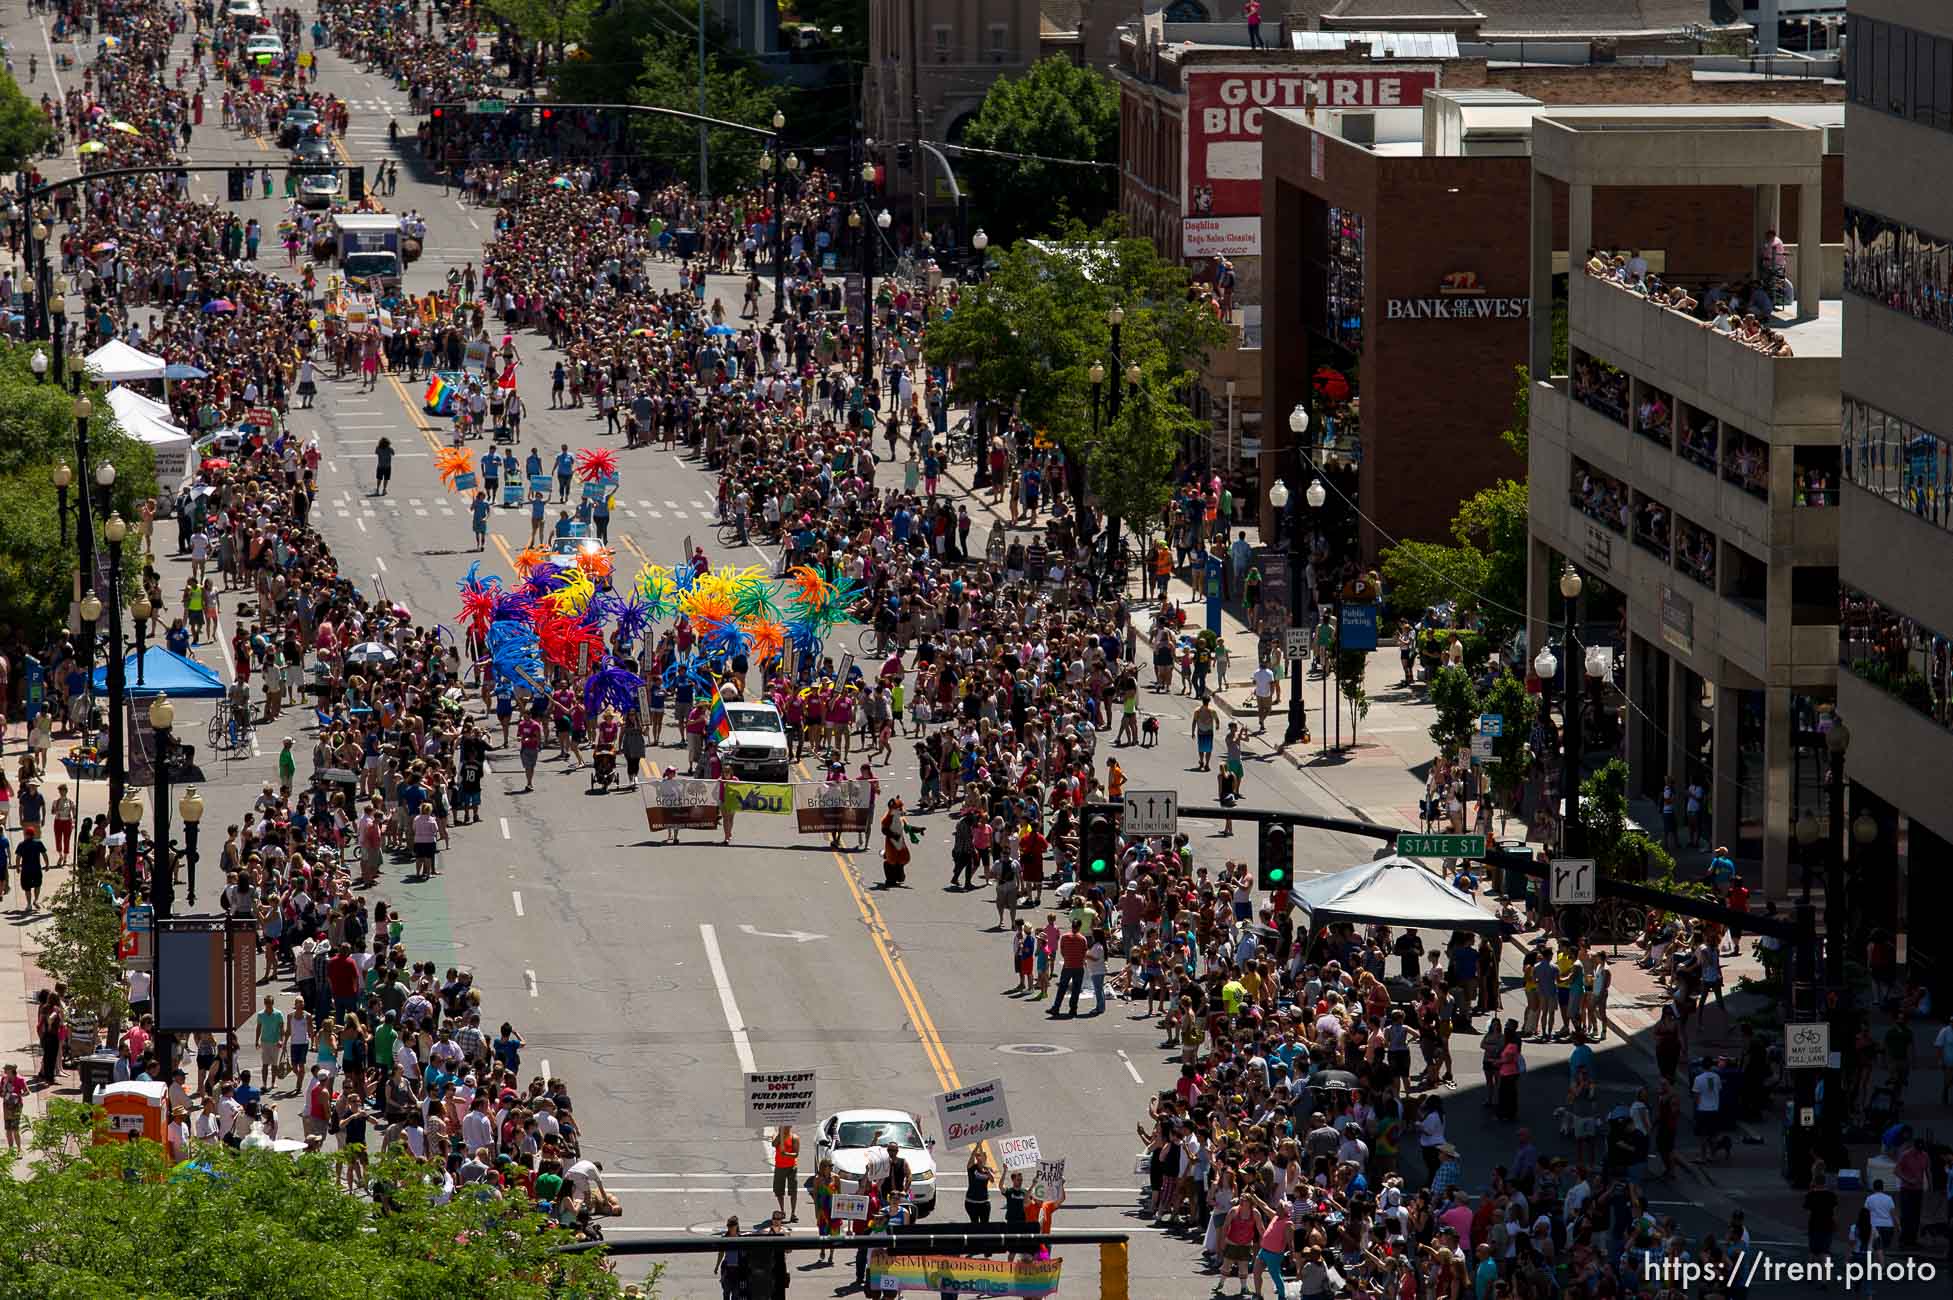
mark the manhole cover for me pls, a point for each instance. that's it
(1034, 1049)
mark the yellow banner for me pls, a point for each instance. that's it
(759, 797)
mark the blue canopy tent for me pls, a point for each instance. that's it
(166, 672)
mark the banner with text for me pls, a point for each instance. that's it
(780, 1097)
(973, 1114)
(758, 797)
(951, 1274)
(1020, 1152)
(1223, 129)
(674, 802)
(833, 807)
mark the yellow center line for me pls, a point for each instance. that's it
(630, 544)
(910, 996)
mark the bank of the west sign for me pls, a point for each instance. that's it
(1459, 298)
(1457, 308)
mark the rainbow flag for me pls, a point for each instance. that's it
(439, 393)
(720, 723)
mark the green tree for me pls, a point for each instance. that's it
(35, 582)
(1519, 436)
(1031, 332)
(1454, 696)
(78, 948)
(1056, 110)
(1512, 703)
(555, 23)
(1130, 465)
(1423, 574)
(1493, 522)
(24, 129)
(81, 1221)
(1351, 666)
(733, 93)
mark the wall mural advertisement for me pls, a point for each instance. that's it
(1224, 130)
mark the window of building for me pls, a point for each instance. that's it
(1814, 595)
(1652, 523)
(1814, 476)
(1908, 661)
(999, 40)
(1909, 466)
(1745, 580)
(1697, 435)
(1654, 414)
(1746, 462)
(1695, 552)
(1345, 278)
(1900, 267)
(1599, 496)
(1600, 387)
(939, 36)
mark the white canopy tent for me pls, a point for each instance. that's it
(115, 362)
(1395, 891)
(148, 420)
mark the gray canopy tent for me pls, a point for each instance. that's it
(1396, 891)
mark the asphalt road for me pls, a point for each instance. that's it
(650, 977)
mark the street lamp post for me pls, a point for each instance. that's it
(190, 809)
(58, 305)
(1546, 664)
(62, 477)
(38, 364)
(113, 532)
(43, 280)
(1843, 1001)
(1803, 1004)
(162, 877)
(140, 609)
(779, 168)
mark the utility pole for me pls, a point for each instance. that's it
(704, 148)
(916, 169)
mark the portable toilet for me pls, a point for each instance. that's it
(135, 1108)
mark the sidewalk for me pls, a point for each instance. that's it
(21, 977)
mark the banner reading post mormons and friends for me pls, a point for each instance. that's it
(674, 802)
(973, 1114)
(953, 1274)
(834, 807)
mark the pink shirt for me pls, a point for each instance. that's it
(1275, 1236)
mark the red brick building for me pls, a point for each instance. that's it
(1398, 307)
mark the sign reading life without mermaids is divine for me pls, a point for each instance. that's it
(973, 1114)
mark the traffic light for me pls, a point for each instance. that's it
(1276, 865)
(905, 155)
(238, 178)
(1098, 862)
(355, 183)
(438, 112)
(548, 114)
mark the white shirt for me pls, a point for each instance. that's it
(478, 1130)
(139, 987)
(1708, 1091)
(1879, 1206)
(1264, 683)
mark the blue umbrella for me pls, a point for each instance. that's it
(721, 329)
(184, 370)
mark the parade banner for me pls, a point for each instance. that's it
(759, 797)
(780, 1097)
(834, 807)
(974, 1114)
(953, 1274)
(674, 802)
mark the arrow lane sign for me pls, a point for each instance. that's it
(798, 936)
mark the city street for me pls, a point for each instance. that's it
(650, 977)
